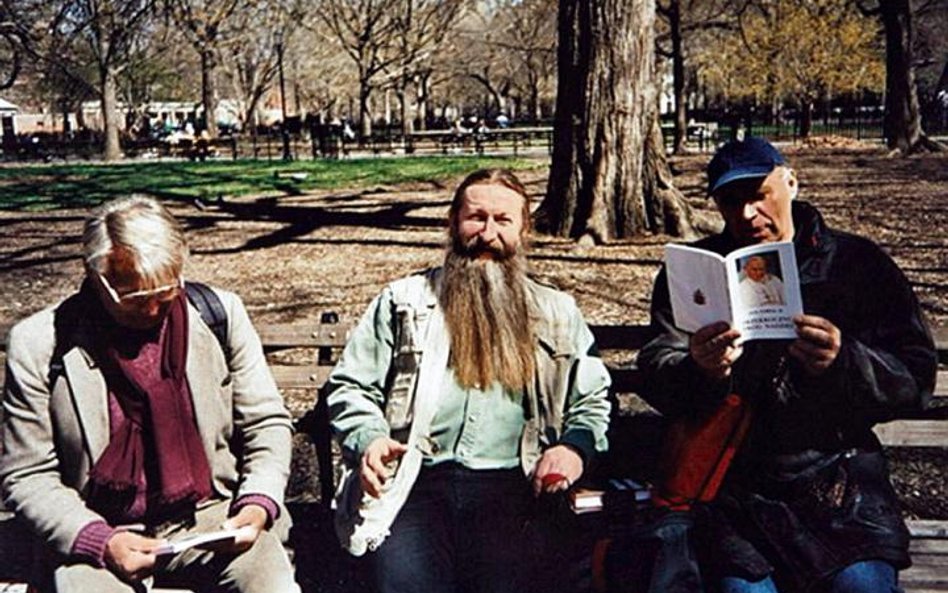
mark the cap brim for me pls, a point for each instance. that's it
(738, 174)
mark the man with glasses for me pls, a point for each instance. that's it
(126, 427)
(807, 504)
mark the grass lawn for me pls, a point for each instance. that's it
(44, 187)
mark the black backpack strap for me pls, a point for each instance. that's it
(212, 311)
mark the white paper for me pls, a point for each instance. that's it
(199, 539)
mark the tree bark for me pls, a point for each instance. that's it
(422, 101)
(806, 118)
(901, 124)
(365, 113)
(209, 91)
(605, 107)
(111, 150)
(407, 122)
(678, 77)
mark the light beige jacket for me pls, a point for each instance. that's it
(56, 418)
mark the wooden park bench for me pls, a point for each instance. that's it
(301, 356)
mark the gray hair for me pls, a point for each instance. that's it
(142, 228)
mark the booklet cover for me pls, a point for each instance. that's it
(198, 540)
(756, 289)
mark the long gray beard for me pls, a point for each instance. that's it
(489, 320)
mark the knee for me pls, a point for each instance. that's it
(264, 568)
(874, 576)
(739, 585)
(83, 577)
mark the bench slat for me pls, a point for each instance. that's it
(930, 547)
(928, 528)
(913, 433)
(608, 337)
(308, 376)
(301, 335)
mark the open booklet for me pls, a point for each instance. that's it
(756, 289)
(200, 540)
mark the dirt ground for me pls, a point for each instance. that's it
(294, 257)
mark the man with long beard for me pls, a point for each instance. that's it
(463, 390)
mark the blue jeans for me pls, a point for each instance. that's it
(870, 576)
(460, 531)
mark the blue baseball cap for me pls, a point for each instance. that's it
(742, 159)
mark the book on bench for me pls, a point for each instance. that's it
(755, 289)
(617, 492)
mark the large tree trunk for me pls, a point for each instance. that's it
(111, 150)
(209, 91)
(901, 125)
(605, 107)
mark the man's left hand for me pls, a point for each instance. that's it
(817, 344)
(558, 469)
(251, 520)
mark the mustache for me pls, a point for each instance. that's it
(475, 247)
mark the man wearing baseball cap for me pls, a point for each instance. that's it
(807, 503)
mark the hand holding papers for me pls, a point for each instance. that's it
(755, 289)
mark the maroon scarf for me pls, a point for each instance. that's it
(156, 401)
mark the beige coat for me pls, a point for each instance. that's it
(56, 419)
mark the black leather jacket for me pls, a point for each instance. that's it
(809, 492)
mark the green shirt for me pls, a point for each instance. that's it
(480, 429)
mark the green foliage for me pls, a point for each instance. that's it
(800, 48)
(82, 185)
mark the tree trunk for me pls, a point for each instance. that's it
(668, 210)
(422, 101)
(365, 114)
(209, 91)
(902, 122)
(605, 106)
(806, 118)
(678, 77)
(111, 150)
(407, 122)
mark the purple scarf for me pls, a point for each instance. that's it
(156, 401)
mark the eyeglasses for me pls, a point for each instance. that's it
(162, 294)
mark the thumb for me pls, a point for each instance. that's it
(395, 450)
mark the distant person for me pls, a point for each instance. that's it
(502, 121)
(458, 128)
(129, 422)
(347, 132)
(806, 504)
(464, 392)
(759, 287)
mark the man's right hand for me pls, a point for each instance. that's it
(714, 349)
(377, 461)
(130, 555)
